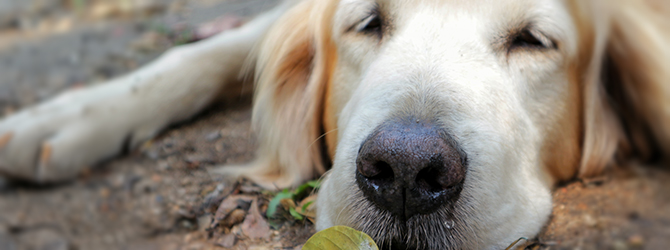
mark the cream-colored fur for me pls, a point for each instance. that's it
(595, 84)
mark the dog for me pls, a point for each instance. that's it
(435, 124)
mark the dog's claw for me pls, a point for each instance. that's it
(43, 164)
(45, 155)
(4, 140)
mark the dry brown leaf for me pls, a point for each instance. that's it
(235, 217)
(255, 226)
(310, 210)
(227, 206)
(287, 204)
(226, 241)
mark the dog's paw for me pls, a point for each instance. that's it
(56, 140)
(262, 172)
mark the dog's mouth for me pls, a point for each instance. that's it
(441, 229)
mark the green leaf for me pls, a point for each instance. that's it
(314, 184)
(79, 5)
(304, 187)
(304, 207)
(274, 203)
(340, 238)
(295, 214)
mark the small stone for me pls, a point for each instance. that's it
(163, 166)
(8, 111)
(636, 241)
(186, 224)
(156, 178)
(213, 136)
(589, 220)
(6, 242)
(619, 245)
(260, 248)
(150, 41)
(226, 241)
(105, 192)
(196, 246)
(4, 184)
(44, 239)
(144, 186)
(204, 222)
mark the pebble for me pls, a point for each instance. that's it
(226, 241)
(204, 222)
(144, 186)
(4, 184)
(213, 136)
(44, 239)
(7, 242)
(620, 245)
(589, 220)
(636, 241)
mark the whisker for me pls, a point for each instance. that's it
(320, 137)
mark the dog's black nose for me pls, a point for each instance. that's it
(410, 168)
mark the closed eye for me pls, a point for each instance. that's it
(529, 39)
(371, 25)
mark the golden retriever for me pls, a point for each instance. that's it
(438, 124)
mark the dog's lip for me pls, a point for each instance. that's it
(445, 206)
(396, 230)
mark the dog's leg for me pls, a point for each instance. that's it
(55, 140)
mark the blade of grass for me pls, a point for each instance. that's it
(274, 203)
(295, 214)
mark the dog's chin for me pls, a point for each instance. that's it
(442, 229)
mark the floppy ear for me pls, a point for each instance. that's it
(627, 86)
(293, 65)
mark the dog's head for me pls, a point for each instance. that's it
(448, 122)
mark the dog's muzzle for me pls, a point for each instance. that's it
(409, 167)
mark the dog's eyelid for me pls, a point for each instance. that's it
(371, 24)
(532, 38)
(543, 38)
(366, 22)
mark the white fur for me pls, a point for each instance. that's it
(498, 105)
(444, 49)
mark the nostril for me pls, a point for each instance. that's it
(428, 179)
(379, 171)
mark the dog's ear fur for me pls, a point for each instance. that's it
(293, 65)
(627, 85)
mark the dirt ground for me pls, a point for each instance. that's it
(162, 196)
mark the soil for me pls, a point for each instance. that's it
(162, 196)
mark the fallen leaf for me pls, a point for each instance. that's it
(307, 207)
(254, 225)
(340, 238)
(226, 241)
(274, 203)
(227, 206)
(235, 217)
(287, 203)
